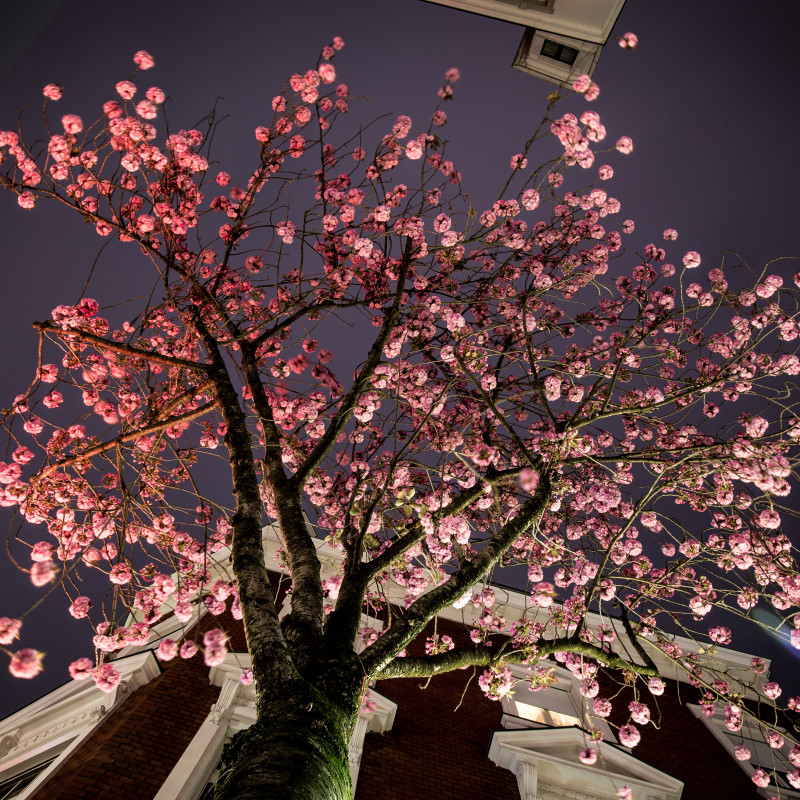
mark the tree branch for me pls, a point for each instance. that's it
(483, 656)
(425, 608)
(128, 437)
(118, 347)
(360, 383)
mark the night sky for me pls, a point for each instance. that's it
(709, 98)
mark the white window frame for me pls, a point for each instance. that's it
(750, 732)
(563, 697)
(545, 760)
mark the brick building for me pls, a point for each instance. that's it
(159, 734)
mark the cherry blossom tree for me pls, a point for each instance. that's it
(512, 388)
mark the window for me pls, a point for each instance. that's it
(13, 787)
(546, 716)
(753, 738)
(559, 52)
(560, 705)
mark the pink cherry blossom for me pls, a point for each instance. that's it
(414, 150)
(80, 669)
(188, 649)
(327, 73)
(26, 663)
(496, 682)
(143, 60)
(52, 91)
(628, 41)
(26, 199)
(72, 123)
(770, 519)
(629, 735)
(80, 607)
(215, 647)
(9, 629)
(530, 199)
(625, 145)
(760, 777)
(772, 690)
(167, 649)
(691, 259)
(741, 752)
(106, 677)
(126, 89)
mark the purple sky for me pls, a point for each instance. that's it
(709, 99)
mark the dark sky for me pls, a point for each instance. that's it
(709, 98)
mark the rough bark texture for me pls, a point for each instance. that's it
(299, 751)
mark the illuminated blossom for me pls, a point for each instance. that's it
(106, 677)
(80, 607)
(26, 199)
(52, 91)
(625, 145)
(760, 777)
(167, 649)
(188, 649)
(26, 663)
(143, 60)
(126, 90)
(629, 735)
(691, 259)
(9, 629)
(72, 123)
(215, 647)
(81, 669)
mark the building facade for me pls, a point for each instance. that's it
(160, 733)
(562, 38)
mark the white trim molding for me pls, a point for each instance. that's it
(547, 767)
(579, 19)
(59, 723)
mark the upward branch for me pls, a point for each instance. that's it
(420, 612)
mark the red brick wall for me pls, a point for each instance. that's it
(438, 744)
(434, 749)
(135, 748)
(437, 747)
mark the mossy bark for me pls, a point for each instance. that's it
(300, 753)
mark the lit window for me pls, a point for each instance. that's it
(546, 716)
(559, 52)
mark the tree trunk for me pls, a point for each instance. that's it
(298, 751)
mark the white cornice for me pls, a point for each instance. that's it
(74, 703)
(579, 19)
(547, 760)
